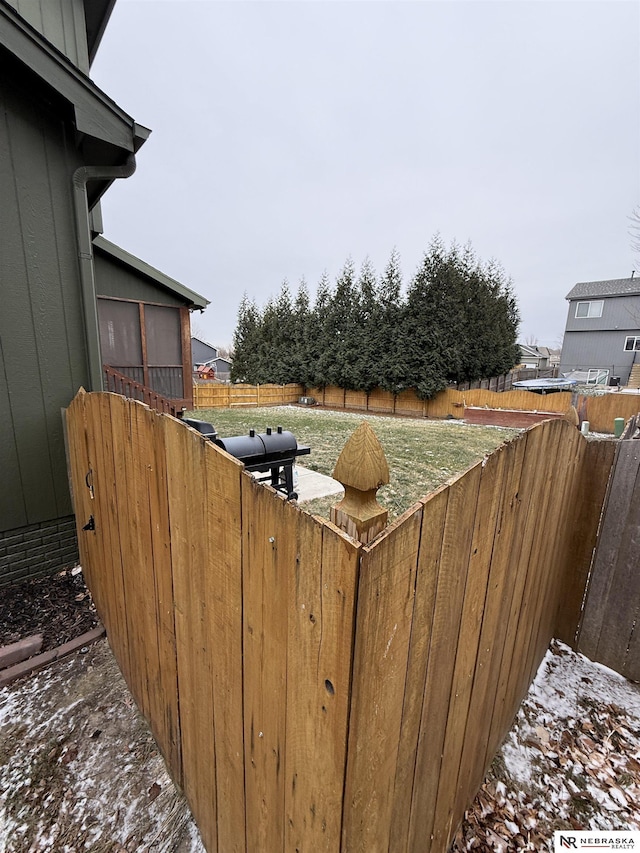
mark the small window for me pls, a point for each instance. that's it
(589, 309)
(632, 343)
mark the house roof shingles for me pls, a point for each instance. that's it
(534, 351)
(613, 287)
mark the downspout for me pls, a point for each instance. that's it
(80, 179)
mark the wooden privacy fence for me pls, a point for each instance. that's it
(212, 395)
(599, 411)
(310, 693)
(610, 628)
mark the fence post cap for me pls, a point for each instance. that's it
(571, 416)
(361, 468)
(362, 463)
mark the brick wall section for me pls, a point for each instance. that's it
(37, 550)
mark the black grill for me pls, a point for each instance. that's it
(202, 426)
(271, 453)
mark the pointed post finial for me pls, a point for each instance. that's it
(361, 468)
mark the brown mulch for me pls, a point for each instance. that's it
(58, 607)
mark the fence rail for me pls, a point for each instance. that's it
(307, 692)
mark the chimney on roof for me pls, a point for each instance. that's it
(633, 272)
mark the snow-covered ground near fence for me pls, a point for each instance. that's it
(79, 769)
(570, 761)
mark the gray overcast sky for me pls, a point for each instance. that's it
(290, 135)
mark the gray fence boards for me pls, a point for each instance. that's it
(609, 632)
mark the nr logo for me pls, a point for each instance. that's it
(567, 841)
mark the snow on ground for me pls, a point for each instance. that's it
(79, 770)
(570, 761)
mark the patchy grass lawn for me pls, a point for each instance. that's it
(422, 454)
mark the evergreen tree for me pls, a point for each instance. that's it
(424, 347)
(461, 320)
(505, 352)
(303, 337)
(246, 339)
(319, 336)
(458, 322)
(367, 335)
(282, 357)
(267, 350)
(339, 362)
(388, 326)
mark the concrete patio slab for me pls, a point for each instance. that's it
(312, 485)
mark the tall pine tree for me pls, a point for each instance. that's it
(366, 335)
(388, 326)
(320, 336)
(246, 340)
(458, 322)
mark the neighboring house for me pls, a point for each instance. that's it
(219, 368)
(534, 356)
(201, 352)
(63, 143)
(554, 357)
(602, 336)
(222, 367)
(203, 355)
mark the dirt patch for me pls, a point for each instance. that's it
(58, 607)
(79, 769)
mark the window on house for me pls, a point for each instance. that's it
(589, 309)
(632, 343)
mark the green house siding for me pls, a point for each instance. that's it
(61, 22)
(42, 342)
(119, 282)
(54, 120)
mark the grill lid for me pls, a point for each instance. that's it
(264, 448)
(203, 427)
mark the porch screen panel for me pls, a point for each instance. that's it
(164, 350)
(120, 338)
(167, 381)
